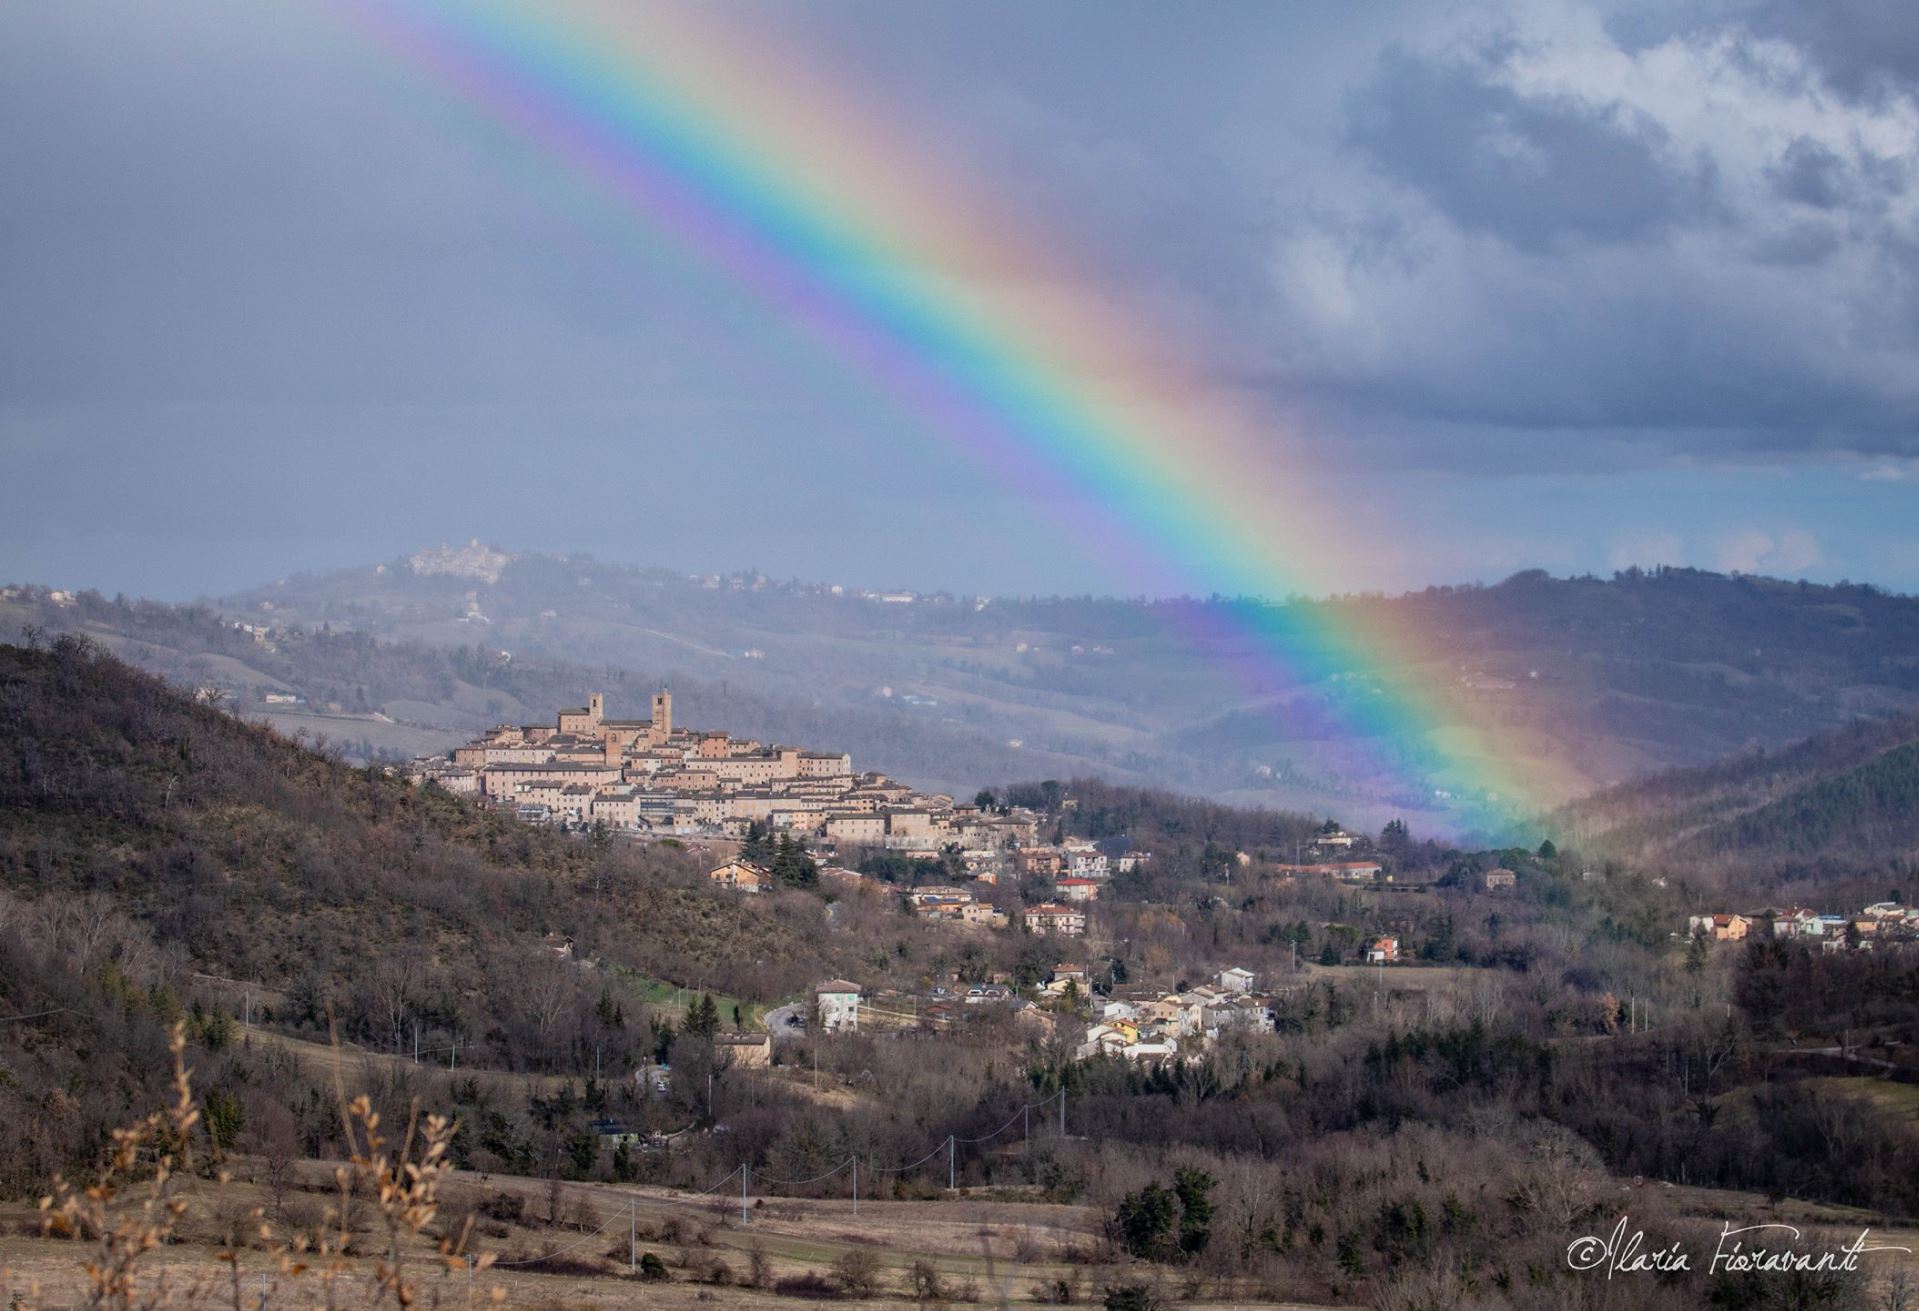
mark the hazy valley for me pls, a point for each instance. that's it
(1589, 680)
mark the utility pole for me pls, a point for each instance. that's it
(632, 1235)
(1062, 1112)
(416, 1042)
(856, 1183)
(743, 1173)
(952, 1179)
(1026, 1127)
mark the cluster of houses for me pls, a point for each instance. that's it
(1333, 857)
(1345, 871)
(649, 776)
(1072, 874)
(949, 903)
(1146, 1024)
(1881, 922)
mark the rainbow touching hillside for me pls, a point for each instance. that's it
(993, 335)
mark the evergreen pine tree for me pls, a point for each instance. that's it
(703, 1017)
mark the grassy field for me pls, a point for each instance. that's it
(676, 999)
(357, 1067)
(1901, 1099)
(987, 1248)
(575, 1246)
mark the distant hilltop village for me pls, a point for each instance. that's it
(646, 776)
(473, 560)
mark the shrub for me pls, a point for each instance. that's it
(652, 1269)
(811, 1284)
(1132, 1297)
(1058, 1292)
(924, 1284)
(857, 1272)
(507, 1207)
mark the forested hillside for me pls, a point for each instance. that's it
(154, 851)
(1843, 802)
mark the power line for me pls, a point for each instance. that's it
(799, 1183)
(571, 1247)
(902, 1169)
(35, 1015)
(609, 1221)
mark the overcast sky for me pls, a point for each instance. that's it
(1560, 285)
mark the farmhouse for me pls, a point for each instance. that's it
(1384, 951)
(741, 876)
(837, 1002)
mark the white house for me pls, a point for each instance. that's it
(1237, 1013)
(1051, 918)
(1085, 861)
(838, 1004)
(1236, 980)
(1794, 922)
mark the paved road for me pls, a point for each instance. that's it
(786, 1022)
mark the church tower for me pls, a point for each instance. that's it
(662, 712)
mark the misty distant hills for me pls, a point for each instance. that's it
(1613, 678)
(371, 698)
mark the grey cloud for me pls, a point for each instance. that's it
(1811, 174)
(1866, 49)
(228, 251)
(1534, 171)
(1801, 244)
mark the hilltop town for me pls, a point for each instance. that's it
(747, 800)
(651, 777)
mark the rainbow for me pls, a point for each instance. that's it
(995, 336)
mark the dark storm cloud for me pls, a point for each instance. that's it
(1530, 170)
(1667, 246)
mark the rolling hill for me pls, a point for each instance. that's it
(1842, 801)
(155, 850)
(1588, 681)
